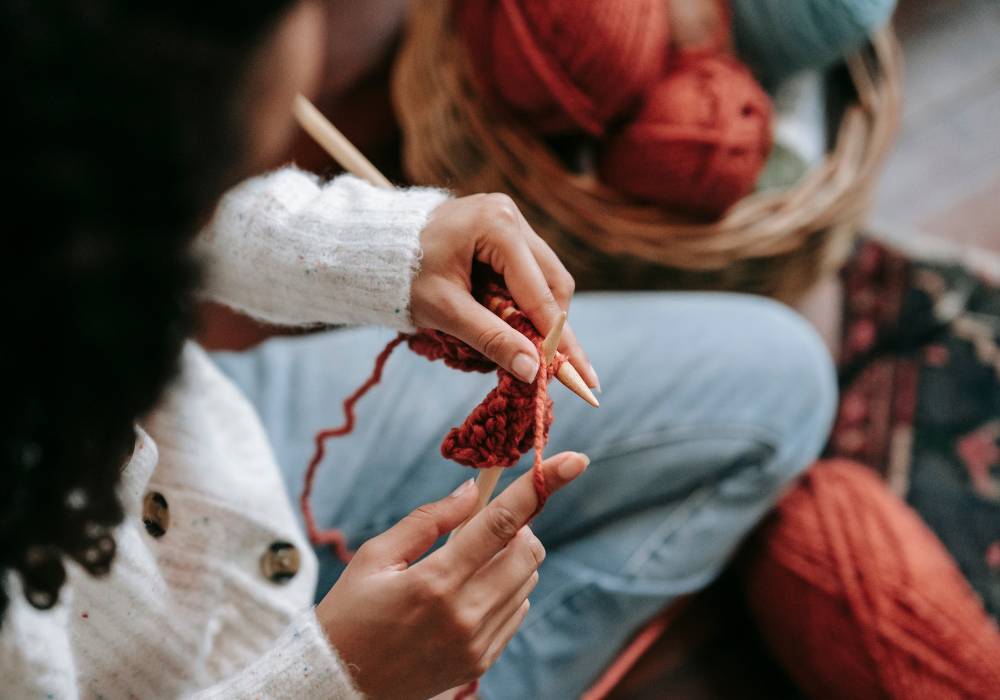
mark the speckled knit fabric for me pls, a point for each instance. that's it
(297, 251)
(188, 609)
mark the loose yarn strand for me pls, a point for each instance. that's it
(541, 435)
(469, 691)
(333, 537)
(494, 435)
(512, 419)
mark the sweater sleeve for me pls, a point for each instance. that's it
(36, 657)
(301, 664)
(290, 250)
(37, 660)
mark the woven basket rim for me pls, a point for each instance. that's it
(585, 212)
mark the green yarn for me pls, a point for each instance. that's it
(783, 169)
(777, 38)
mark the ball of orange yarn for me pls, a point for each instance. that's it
(567, 65)
(858, 599)
(698, 143)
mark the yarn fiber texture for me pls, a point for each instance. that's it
(858, 599)
(502, 427)
(513, 418)
(566, 65)
(780, 37)
(698, 143)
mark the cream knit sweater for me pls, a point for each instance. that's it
(190, 613)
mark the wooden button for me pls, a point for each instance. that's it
(155, 514)
(280, 562)
(40, 600)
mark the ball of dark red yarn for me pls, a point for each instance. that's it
(567, 65)
(699, 141)
(858, 599)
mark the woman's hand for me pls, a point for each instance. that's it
(488, 228)
(412, 630)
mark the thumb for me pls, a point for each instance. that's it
(498, 523)
(411, 537)
(479, 327)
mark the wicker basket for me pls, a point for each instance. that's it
(774, 243)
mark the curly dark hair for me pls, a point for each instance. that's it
(125, 126)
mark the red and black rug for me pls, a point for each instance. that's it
(920, 382)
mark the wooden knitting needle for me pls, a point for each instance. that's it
(354, 162)
(487, 478)
(567, 373)
(572, 380)
(551, 342)
(336, 144)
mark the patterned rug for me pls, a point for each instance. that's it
(921, 398)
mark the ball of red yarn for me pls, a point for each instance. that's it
(858, 599)
(566, 65)
(700, 140)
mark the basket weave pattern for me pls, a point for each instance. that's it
(773, 243)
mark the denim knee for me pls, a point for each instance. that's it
(794, 374)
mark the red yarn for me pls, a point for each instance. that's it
(504, 425)
(566, 65)
(858, 599)
(699, 141)
(468, 691)
(512, 419)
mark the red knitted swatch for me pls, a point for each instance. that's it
(512, 419)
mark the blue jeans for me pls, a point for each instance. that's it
(712, 404)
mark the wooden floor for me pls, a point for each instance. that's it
(943, 178)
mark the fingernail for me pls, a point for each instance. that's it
(571, 468)
(525, 367)
(597, 380)
(462, 488)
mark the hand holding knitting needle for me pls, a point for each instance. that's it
(488, 478)
(412, 627)
(488, 229)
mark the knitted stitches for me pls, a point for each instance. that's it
(513, 418)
